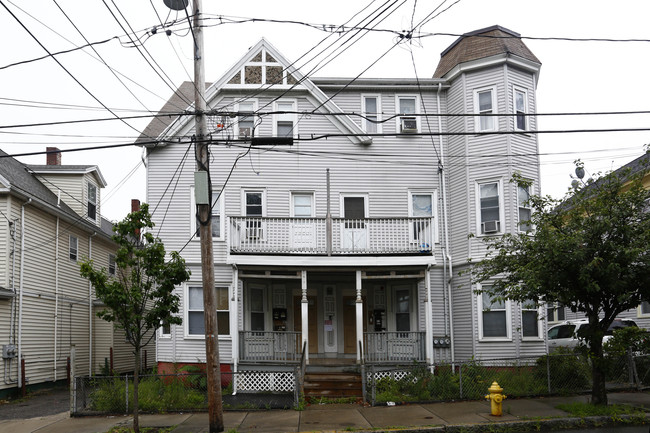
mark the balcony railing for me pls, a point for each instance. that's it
(310, 236)
(394, 347)
(268, 346)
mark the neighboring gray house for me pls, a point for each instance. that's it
(50, 218)
(351, 240)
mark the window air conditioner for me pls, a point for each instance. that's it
(490, 226)
(244, 132)
(408, 125)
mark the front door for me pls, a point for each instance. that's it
(354, 231)
(350, 323)
(302, 228)
(312, 333)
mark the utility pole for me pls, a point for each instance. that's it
(215, 406)
(203, 191)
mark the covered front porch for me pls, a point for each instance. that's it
(338, 315)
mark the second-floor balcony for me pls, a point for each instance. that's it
(334, 236)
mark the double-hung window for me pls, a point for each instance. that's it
(485, 108)
(195, 311)
(92, 201)
(285, 120)
(371, 111)
(407, 108)
(111, 265)
(73, 248)
(523, 198)
(302, 205)
(245, 120)
(520, 104)
(489, 205)
(555, 312)
(494, 321)
(215, 216)
(530, 320)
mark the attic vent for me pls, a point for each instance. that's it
(408, 125)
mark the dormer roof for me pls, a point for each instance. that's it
(71, 169)
(483, 44)
(263, 67)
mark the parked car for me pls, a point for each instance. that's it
(566, 334)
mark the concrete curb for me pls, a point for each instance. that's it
(527, 425)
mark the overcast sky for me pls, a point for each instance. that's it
(576, 77)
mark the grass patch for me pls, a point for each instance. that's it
(585, 409)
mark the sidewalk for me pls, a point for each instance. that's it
(423, 417)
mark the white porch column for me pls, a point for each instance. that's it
(359, 305)
(428, 317)
(304, 311)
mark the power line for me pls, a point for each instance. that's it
(63, 67)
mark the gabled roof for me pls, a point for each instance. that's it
(70, 169)
(482, 44)
(19, 179)
(263, 67)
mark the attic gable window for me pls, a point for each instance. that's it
(262, 68)
(92, 201)
(284, 124)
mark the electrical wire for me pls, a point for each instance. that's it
(63, 67)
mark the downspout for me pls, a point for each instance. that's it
(429, 319)
(446, 254)
(20, 295)
(56, 299)
(90, 310)
(235, 335)
(12, 319)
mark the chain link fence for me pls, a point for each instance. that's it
(182, 392)
(520, 377)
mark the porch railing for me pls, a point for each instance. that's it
(394, 347)
(265, 235)
(269, 346)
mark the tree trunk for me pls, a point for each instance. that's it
(136, 380)
(598, 389)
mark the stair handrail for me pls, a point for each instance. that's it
(303, 366)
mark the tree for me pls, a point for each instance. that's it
(589, 252)
(140, 296)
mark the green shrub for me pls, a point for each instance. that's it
(569, 371)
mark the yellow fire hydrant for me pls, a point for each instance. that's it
(496, 398)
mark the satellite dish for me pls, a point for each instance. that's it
(177, 5)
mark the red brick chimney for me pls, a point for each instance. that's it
(53, 156)
(135, 207)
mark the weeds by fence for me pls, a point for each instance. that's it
(179, 392)
(522, 377)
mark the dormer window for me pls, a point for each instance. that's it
(92, 202)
